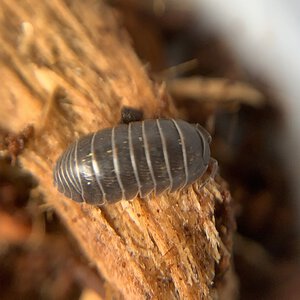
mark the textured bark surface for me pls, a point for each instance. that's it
(67, 67)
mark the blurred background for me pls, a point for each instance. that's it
(231, 66)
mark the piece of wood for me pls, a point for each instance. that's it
(67, 67)
(215, 90)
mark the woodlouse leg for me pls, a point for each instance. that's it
(147, 197)
(130, 114)
(211, 171)
(214, 166)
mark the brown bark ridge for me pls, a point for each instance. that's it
(67, 67)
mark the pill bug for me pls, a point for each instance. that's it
(133, 159)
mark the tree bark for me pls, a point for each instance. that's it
(68, 68)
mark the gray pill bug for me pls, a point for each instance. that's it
(133, 159)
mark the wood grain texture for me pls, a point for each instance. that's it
(67, 67)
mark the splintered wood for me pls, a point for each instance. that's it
(68, 68)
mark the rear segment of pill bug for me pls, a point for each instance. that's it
(74, 173)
